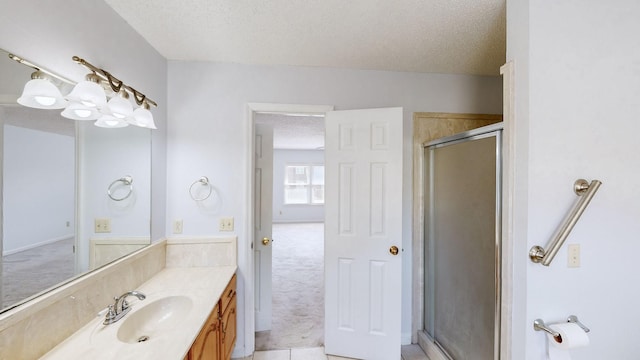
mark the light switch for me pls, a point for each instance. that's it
(177, 226)
(102, 225)
(226, 224)
(574, 255)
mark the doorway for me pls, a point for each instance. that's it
(296, 289)
(371, 263)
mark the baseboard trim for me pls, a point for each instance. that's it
(405, 338)
(29, 247)
(297, 221)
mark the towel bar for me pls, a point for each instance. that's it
(126, 181)
(582, 188)
(203, 181)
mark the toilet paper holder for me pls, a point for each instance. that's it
(539, 325)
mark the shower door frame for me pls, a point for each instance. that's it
(429, 344)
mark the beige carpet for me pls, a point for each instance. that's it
(31, 271)
(298, 288)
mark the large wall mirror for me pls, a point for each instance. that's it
(74, 196)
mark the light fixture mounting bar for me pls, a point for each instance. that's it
(28, 63)
(115, 83)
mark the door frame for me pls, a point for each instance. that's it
(249, 284)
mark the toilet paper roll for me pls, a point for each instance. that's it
(572, 337)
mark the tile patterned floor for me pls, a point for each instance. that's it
(409, 352)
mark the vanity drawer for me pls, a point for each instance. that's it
(228, 294)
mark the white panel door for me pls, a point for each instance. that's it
(363, 222)
(262, 220)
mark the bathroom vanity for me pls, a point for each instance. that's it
(188, 309)
(180, 318)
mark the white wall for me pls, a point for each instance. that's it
(208, 133)
(518, 54)
(106, 155)
(49, 33)
(294, 212)
(39, 188)
(580, 106)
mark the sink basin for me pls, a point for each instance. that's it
(151, 320)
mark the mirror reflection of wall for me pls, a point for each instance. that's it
(38, 202)
(55, 175)
(106, 155)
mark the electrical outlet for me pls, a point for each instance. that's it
(177, 226)
(102, 225)
(226, 224)
(574, 255)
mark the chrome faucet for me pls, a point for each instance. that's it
(120, 308)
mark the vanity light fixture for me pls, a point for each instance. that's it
(88, 99)
(89, 92)
(40, 92)
(116, 107)
(110, 121)
(142, 117)
(77, 111)
(119, 105)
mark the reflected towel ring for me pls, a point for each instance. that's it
(127, 181)
(204, 181)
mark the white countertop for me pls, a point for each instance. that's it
(203, 285)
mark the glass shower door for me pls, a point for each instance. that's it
(462, 244)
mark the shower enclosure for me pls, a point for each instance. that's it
(462, 243)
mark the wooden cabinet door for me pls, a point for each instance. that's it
(207, 344)
(218, 336)
(228, 329)
(228, 294)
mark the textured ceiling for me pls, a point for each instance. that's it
(294, 132)
(438, 36)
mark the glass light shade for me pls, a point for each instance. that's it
(77, 111)
(142, 117)
(89, 94)
(120, 107)
(41, 94)
(109, 121)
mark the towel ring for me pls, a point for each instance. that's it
(127, 181)
(202, 181)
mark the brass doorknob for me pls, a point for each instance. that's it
(265, 241)
(394, 250)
